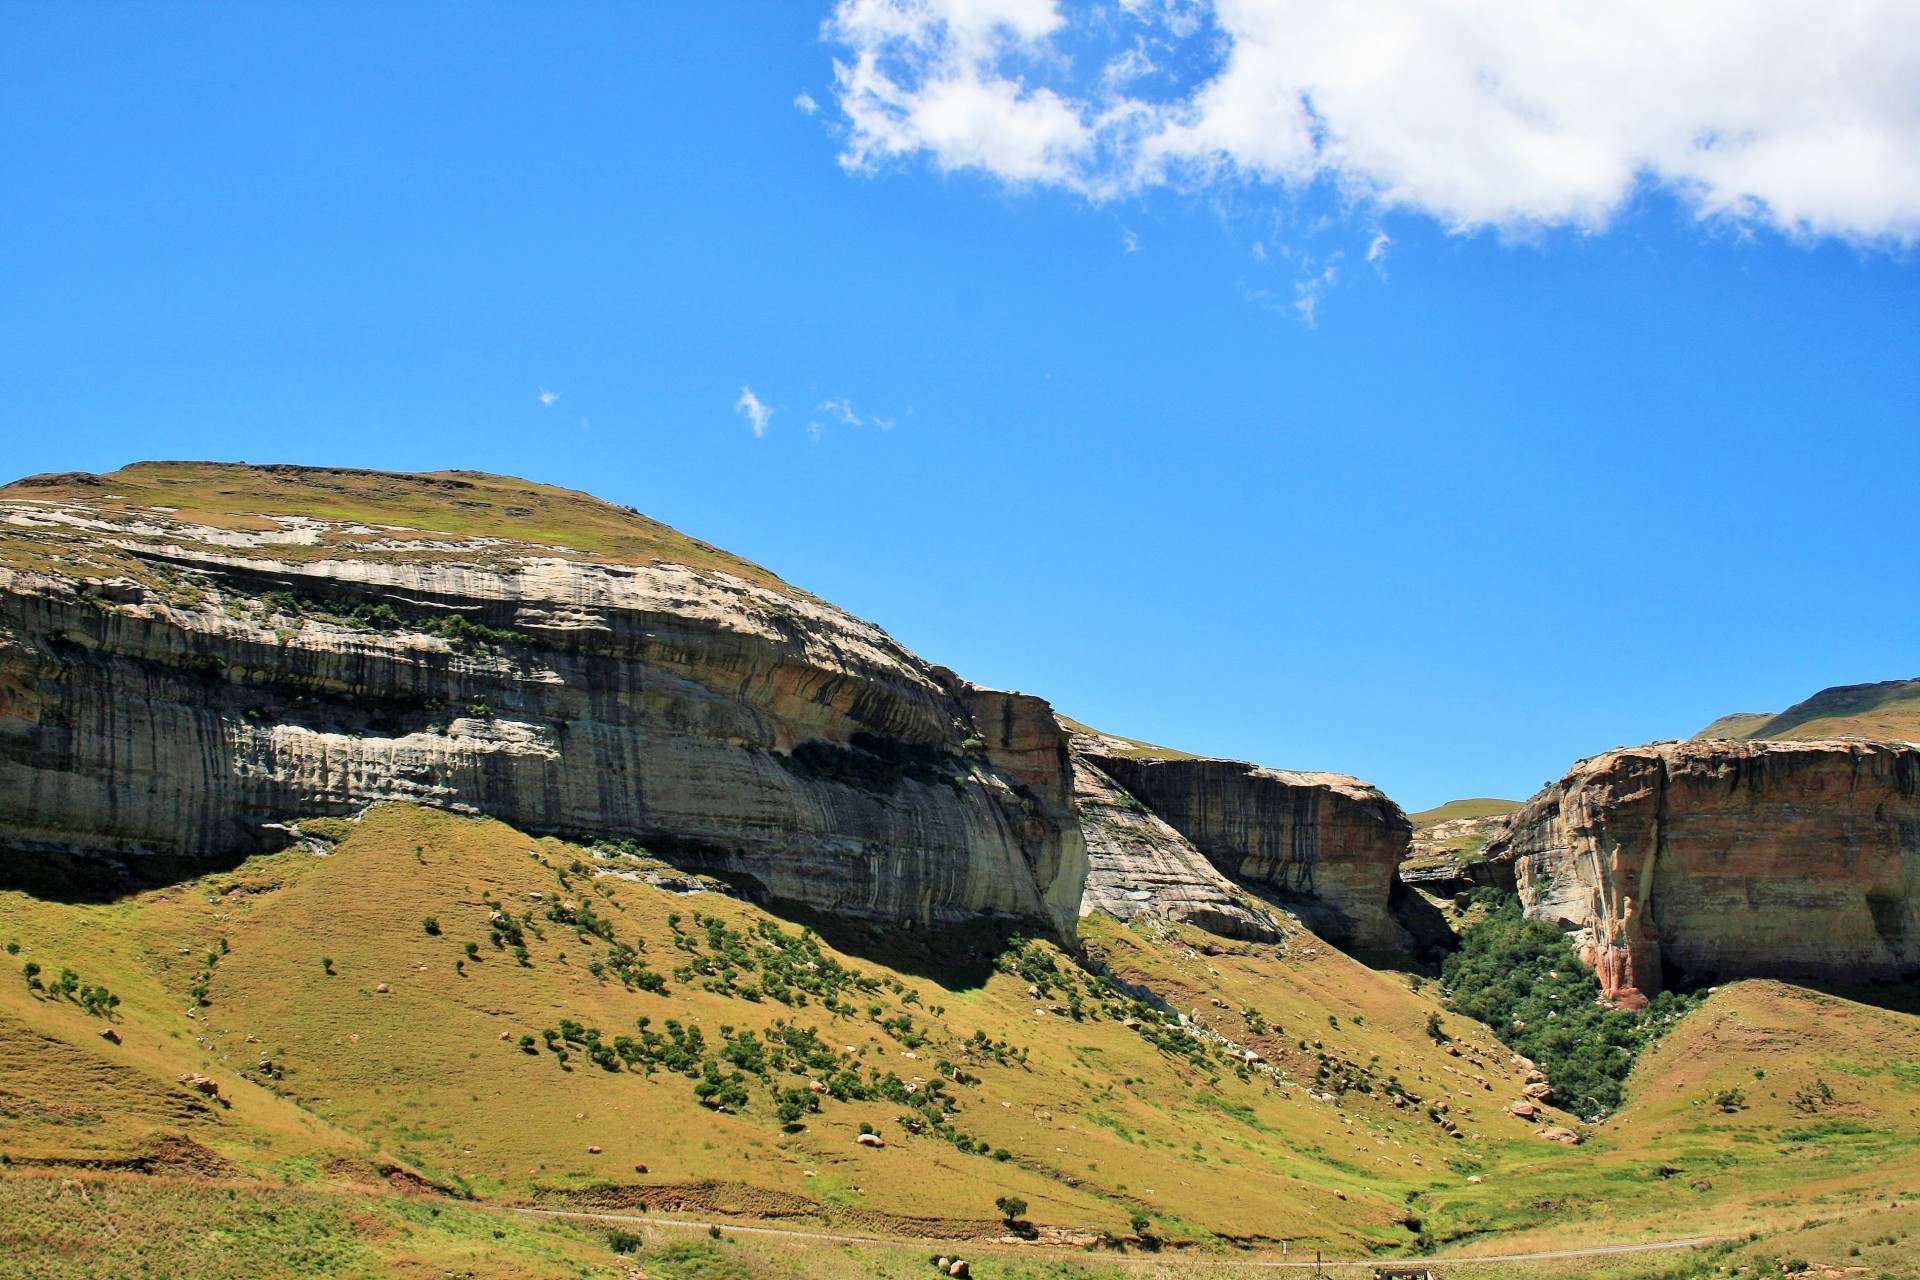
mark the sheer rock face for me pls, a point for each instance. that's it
(1325, 844)
(1139, 868)
(750, 732)
(1694, 861)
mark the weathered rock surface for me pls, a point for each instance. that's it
(1324, 843)
(1138, 867)
(173, 687)
(1446, 858)
(1694, 861)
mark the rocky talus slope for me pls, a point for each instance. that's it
(192, 655)
(1702, 860)
(1326, 844)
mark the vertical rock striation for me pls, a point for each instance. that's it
(1326, 844)
(1694, 861)
(1138, 867)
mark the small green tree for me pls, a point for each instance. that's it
(1012, 1208)
(326, 964)
(1142, 1225)
(432, 925)
(32, 972)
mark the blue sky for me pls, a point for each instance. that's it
(1565, 465)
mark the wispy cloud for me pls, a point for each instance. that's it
(1798, 115)
(1309, 289)
(842, 409)
(1129, 242)
(548, 397)
(806, 103)
(757, 413)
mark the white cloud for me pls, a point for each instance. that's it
(1308, 291)
(1129, 242)
(1799, 115)
(756, 413)
(842, 409)
(548, 397)
(1377, 250)
(806, 103)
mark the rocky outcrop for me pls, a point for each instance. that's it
(1446, 858)
(176, 688)
(1139, 868)
(1695, 861)
(1325, 844)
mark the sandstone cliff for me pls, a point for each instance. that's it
(1694, 861)
(1325, 844)
(1138, 867)
(191, 654)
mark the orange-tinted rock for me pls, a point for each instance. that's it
(1696, 861)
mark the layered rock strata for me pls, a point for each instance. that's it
(1696, 861)
(1325, 844)
(1139, 868)
(213, 680)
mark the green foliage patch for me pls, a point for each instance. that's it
(1523, 979)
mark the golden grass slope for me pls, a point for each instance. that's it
(1887, 710)
(414, 1085)
(461, 503)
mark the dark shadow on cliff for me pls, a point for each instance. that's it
(959, 957)
(1894, 997)
(63, 876)
(1433, 935)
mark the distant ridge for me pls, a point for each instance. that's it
(1478, 807)
(1889, 709)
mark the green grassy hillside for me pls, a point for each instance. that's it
(1890, 709)
(1481, 807)
(430, 1020)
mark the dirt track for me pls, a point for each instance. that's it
(1685, 1242)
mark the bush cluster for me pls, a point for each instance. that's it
(456, 628)
(1523, 979)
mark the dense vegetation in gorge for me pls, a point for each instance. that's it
(1524, 980)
